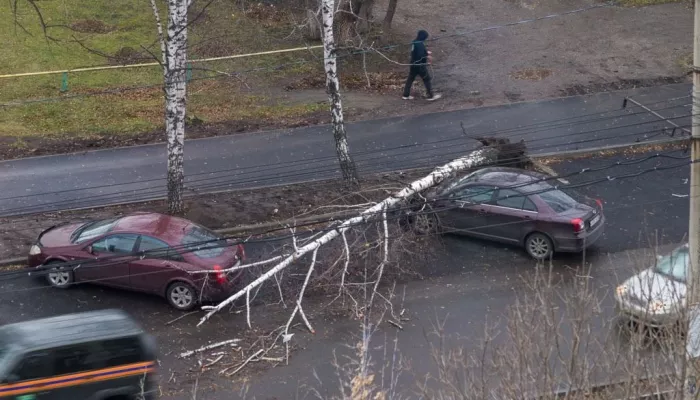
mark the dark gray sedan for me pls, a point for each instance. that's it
(512, 206)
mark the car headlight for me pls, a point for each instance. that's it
(34, 250)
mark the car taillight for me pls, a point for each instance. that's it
(219, 274)
(577, 224)
(241, 252)
(600, 204)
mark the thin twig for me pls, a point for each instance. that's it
(257, 353)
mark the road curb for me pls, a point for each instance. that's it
(328, 217)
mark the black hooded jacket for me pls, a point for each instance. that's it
(419, 54)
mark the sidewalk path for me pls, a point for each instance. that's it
(290, 156)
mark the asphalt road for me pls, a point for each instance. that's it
(472, 283)
(280, 157)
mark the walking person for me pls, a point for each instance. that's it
(420, 58)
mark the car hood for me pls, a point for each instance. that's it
(58, 235)
(649, 286)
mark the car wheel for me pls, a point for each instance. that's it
(426, 223)
(539, 246)
(58, 277)
(181, 296)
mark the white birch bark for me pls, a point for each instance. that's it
(472, 160)
(347, 165)
(174, 53)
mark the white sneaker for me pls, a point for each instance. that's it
(407, 97)
(435, 97)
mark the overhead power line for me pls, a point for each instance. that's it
(227, 183)
(190, 247)
(312, 168)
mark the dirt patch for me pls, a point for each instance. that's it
(128, 55)
(267, 14)
(531, 74)
(91, 26)
(621, 84)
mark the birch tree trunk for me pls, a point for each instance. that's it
(347, 165)
(174, 52)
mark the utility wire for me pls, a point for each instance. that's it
(315, 171)
(359, 154)
(383, 151)
(155, 193)
(191, 247)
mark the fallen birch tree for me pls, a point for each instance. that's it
(378, 212)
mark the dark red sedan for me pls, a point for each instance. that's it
(145, 252)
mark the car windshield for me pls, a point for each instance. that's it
(674, 265)
(203, 242)
(92, 230)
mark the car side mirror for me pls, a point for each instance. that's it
(90, 250)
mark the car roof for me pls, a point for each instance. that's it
(498, 176)
(165, 227)
(69, 329)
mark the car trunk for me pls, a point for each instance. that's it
(587, 209)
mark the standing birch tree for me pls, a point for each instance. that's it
(173, 47)
(347, 165)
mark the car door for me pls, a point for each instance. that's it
(466, 209)
(115, 250)
(158, 266)
(512, 215)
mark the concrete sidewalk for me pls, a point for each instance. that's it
(290, 156)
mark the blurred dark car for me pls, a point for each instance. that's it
(174, 248)
(101, 355)
(513, 206)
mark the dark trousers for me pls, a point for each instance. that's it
(422, 71)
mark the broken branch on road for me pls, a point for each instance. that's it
(232, 342)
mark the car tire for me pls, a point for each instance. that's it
(58, 277)
(425, 223)
(539, 246)
(181, 296)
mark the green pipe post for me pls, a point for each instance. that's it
(64, 82)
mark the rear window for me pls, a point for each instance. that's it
(94, 229)
(203, 243)
(558, 200)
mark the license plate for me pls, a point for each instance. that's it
(595, 220)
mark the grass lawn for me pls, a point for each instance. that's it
(125, 31)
